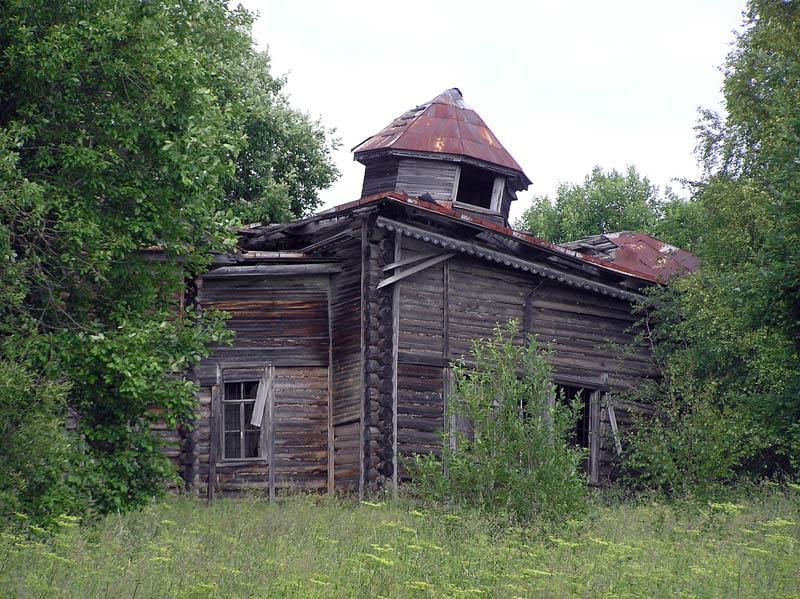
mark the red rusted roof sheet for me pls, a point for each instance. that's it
(445, 125)
(522, 236)
(638, 252)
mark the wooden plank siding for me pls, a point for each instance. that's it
(346, 378)
(283, 321)
(591, 337)
(380, 175)
(362, 374)
(416, 177)
(300, 439)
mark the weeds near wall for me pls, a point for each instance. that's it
(507, 445)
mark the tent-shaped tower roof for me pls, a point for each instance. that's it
(446, 126)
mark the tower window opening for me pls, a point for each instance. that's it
(475, 187)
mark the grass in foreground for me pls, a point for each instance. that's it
(324, 547)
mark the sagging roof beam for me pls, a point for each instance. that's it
(449, 243)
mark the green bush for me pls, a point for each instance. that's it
(34, 445)
(514, 456)
(695, 446)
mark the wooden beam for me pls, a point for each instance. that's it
(409, 260)
(266, 270)
(415, 269)
(594, 437)
(472, 249)
(331, 440)
(271, 410)
(398, 251)
(612, 418)
(362, 354)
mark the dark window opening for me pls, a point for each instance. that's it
(475, 187)
(579, 435)
(240, 437)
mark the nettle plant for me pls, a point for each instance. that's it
(508, 447)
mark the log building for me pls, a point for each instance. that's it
(346, 322)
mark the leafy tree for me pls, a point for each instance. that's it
(128, 125)
(515, 456)
(730, 334)
(603, 203)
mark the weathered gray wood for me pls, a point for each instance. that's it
(409, 260)
(265, 270)
(612, 419)
(472, 249)
(271, 414)
(331, 453)
(398, 258)
(380, 175)
(415, 269)
(213, 440)
(594, 437)
(419, 176)
(362, 353)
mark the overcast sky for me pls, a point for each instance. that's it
(563, 85)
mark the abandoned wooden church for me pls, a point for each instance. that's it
(346, 322)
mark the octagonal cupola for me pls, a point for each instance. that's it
(443, 149)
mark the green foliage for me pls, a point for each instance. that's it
(694, 447)
(312, 547)
(34, 444)
(127, 131)
(604, 203)
(515, 457)
(729, 336)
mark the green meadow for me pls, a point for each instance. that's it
(313, 546)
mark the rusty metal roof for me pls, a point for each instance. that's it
(637, 252)
(445, 125)
(620, 268)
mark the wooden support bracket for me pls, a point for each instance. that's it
(441, 257)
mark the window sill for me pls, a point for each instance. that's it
(462, 206)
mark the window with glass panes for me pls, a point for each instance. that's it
(241, 437)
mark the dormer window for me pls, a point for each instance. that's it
(479, 188)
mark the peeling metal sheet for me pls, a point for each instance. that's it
(445, 125)
(637, 252)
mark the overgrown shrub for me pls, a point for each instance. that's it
(35, 451)
(695, 446)
(511, 453)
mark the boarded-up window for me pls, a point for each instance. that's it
(240, 436)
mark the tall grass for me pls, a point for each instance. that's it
(328, 547)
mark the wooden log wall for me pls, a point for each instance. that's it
(380, 175)
(283, 321)
(445, 307)
(421, 359)
(378, 361)
(436, 177)
(346, 364)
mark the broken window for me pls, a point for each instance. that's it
(479, 187)
(240, 435)
(579, 436)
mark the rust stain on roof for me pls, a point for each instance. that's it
(622, 267)
(637, 252)
(445, 125)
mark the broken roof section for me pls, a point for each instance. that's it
(637, 252)
(253, 237)
(445, 126)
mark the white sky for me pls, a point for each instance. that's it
(563, 85)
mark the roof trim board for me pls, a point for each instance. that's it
(448, 243)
